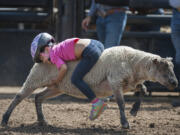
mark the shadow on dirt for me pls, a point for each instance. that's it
(35, 128)
(144, 108)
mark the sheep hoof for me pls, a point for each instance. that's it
(4, 124)
(125, 126)
(4, 121)
(42, 123)
(133, 113)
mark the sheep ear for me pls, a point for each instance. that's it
(155, 61)
(169, 58)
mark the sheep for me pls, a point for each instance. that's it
(119, 69)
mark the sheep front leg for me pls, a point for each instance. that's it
(121, 104)
(141, 88)
(18, 98)
(40, 97)
(36, 79)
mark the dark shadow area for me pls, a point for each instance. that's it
(155, 108)
(142, 108)
(16, 60)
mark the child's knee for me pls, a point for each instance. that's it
(100, 46)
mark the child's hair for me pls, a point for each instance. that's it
(42, 48)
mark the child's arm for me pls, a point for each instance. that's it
(61, 74)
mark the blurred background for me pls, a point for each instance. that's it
(148, 29)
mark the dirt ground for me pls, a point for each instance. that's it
(69, 116)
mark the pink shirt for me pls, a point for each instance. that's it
(63, 51)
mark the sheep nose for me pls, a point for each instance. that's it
(173, 82)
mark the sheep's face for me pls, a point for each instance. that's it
(162, 71)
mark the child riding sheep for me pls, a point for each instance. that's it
(44, 49)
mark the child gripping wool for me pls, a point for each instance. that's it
(44, 49)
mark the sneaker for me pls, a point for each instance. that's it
(98, 107)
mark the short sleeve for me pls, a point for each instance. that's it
(58, 62)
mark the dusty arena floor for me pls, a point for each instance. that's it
(67, 116)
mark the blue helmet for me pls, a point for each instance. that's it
(40, 41)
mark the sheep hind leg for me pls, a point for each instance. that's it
(141, 92)
(39, 98)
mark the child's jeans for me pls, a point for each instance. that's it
(90, 56)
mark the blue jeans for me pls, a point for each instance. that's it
(110, 29)
(175, 36)
(90, 56)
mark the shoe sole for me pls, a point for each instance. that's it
(104, 107)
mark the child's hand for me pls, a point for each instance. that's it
(60, 76)
(54, 82)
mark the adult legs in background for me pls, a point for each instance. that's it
(175, 36)
(100, 29)
(110, 28)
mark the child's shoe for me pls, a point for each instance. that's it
(98, 106)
